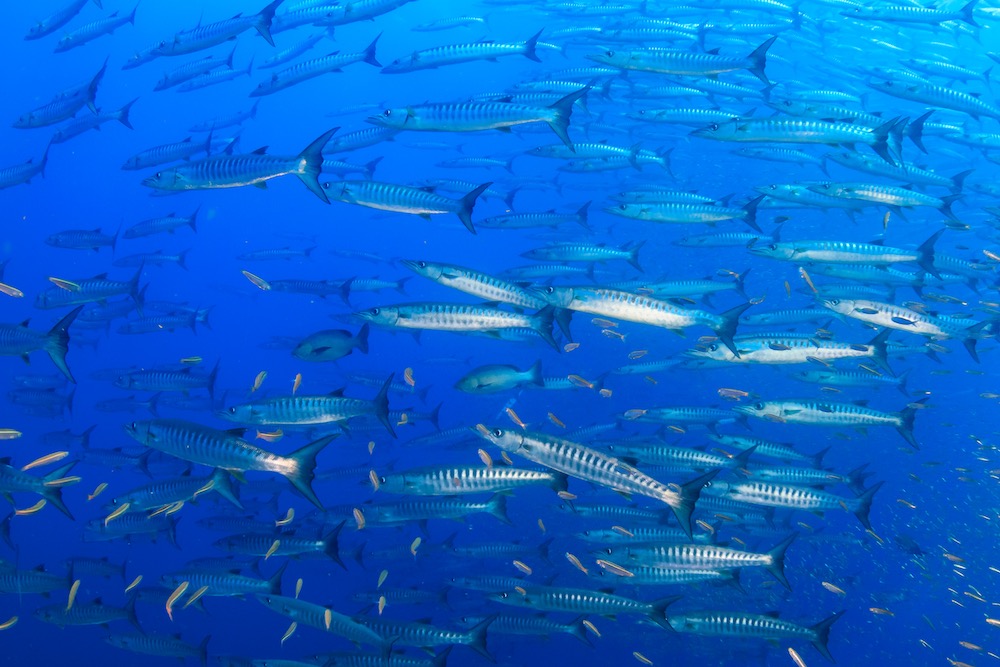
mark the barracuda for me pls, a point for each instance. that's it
(887, 195)
(791, 316)
(937, 96)
(57, 20)
(425, 635)
(582, 601)
(630, 307)
(310, 69)
(776, 450)
(213, 34)
(794, 349)
(587, 252)
(532, 220)
(905, 171)
(575, 460)
(840, 378)
(407, 511)
(676, 213)
(17, 340)
(64, 105)
(316, 616)
(93, 30)
(167, 153)
(828, 413)
(161, 646)
(640, 534)
(95, 613)
(261, 544)
(233, 171)
(892, 316)
(461, 319)
(405, 199)
(667, 61)
(692, 117)
(31, 582)
(799, 477)
(88, 290)
(884, 139)
(788, 496)
(228, 451)
(665, 455)
(756, 626)
(442, 481)
(534, 626)
(169, 380)
(475, 116)
(308, 410)
(170, 491)
(24, 172)
(13, 480)
(462, 53)
(848, 252)
(704, 557)
(912, 14)
(225, 583)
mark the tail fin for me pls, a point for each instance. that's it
(57, 342)
(727, 328)
(965, 13)
(562, 318)
(361, 340)
(476, 637)
(777, 560)
(750, 213)
(304, 470)
(264, 19)
(690, 492)
(222, 484)
(52, 493)
(926, 250)
(467, 203)
(563, 109)
(331, 547)
(577, 629)
(907, 416)
(973, 336)
(541, 322)
(311, 159)
(92, 88)
(381, 403)
(946, 203)
(369, 52)
(535, 373)
(529, 47)
(370, 167)
(633, 258)
(123, 113)
(581, 216)
(757, 61)
(658, 614)
(203, 646)
(274, 581)
(958, 180)
(497, 506)
(821, 632)
(881, 142)
(914, 130)
(741, 287)
(879, 352)
(864, 505)
(212, 377)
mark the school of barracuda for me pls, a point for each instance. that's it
(681, 391)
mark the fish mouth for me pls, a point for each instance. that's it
(411, 264)
(150, 182)
(743, 409)
(375, 120)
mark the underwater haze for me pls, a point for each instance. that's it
(416, 332)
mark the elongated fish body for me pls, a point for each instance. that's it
(32, 582)
(48, 487)
(225, 583)
(192, 70)
(532, 220)
(49, 25)
(214, 78)
(19, 341)
(652, 454)
(404, 199)
(152, 157)
(911, 14)
(842, 378)
(476, 283)
(170, 491)
(887, 195)
(686, 63)
(570, 458)
(845, 252)
(309, 69)
(292, 52)
(586, 252)
(227, 451)
(86, 614)
(681, 116)
(93, 30)
(24, 172)
(681, 213)
(156, 380)
(938, 96)
(792, 349)
(223, 122)
(426, 635)
(422, 509)
(462, 53)
(260, 544)
(639, 534)
(64, 105)
(906, 172)
(475, 116)
(322, 618)
(459, 318)
(299, 410)
(160, 645)
(788, 496)
(893, 317)
(582, 601)
(447, 481)
(86, 123)
(213, 34)
(233, 171)
(769, 448)
(753, 626)
(81, 239)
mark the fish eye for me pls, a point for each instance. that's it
(713, 347)
(758, 406)
(423, 265)
(772, 246)
(374, 311)
(381, 480)
(834, 301)
(609, 551)
(388, 112)
(609, 54)
(504, 596)
(498, 433)
(133, 426)
(773, 187)
(550, 290)
(158, 174)
(622, 207)
(713, 127)
(232, 410)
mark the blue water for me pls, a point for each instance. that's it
(940, 498)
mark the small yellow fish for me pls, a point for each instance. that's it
(403, 419)
(970, 646)
(327, 618)
(733, 394)
(641, 658)
(258, 381)
(381, 604)
(195, 597)
(834, 589)
(296, 383)
(555, 420)
(485, 457)
(623, 531)
(614, 568)
(415, 545)
(371, 447)
(37, 507)
(593, 628)
(9, 434)
(805, 276)
(257, 280)
(191, 361)
(408, 377)
(45, 460)
(178, 592)
(880, 611)
(67, 285)
(205, 489)
(373, 478)
(885, 221)
(637, 354)
(650, 379)
(135, 582)
(521, 590)
(62, 481)
(117, 513)
(796, 658)
(383, 575)
(569, 347)
(506, 458)
(272, 549)
(290, 631)
(72, 594)
(298, 587)
(580, 382)
(514, 418)
(788, 289)
(634, 413)
(992, 255)
(522, 567)
(603, 323)
(541, 525)
(906, 503)
(270, 436)
(995, 622)
(566, 495)
(9, 623)
(576, 563)
(611, 333)
(10, 290)
(605, 393)
(289, 515)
